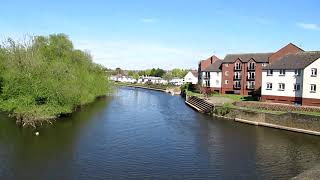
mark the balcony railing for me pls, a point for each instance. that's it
(237, 68)
(251, 68)
(237, 77)
(251, 87)
(236, 86)
(251, 77)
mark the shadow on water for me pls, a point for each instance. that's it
(28, 154)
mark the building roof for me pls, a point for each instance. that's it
(195, 73)
(215, 67)
(258, 57)
(299, 60)
(205, 63)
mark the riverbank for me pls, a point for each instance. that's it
(291, 121)
(174, 90)
(47, 77)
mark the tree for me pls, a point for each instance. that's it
(118, 71)
(179, 73)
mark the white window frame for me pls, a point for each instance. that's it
(250, 74)
(282, 86)
(237, 66)
(282, 72)
(313, 88)
(270, 72)
(252, 66)
(296, 87)
(314, 72)
(269, 86)
(297, 72)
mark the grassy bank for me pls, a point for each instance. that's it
(45, 77)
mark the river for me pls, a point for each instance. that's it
(143, 134)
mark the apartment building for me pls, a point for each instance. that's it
(293, 79)
(242, 73)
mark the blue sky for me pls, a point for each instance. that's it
(143, 34)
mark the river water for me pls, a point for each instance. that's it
(143, 134)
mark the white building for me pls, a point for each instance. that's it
(176, 81)
(293, 79)
(191, 77)
(212, 76)
(125, 79)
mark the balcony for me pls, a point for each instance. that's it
(251, 68)
(251, 86)
(237, 77)
(251, 78)
(237, 68)
(236, 87)
(206, 77)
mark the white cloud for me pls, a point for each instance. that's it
(147, 20)
(140, 55)
(309, 26)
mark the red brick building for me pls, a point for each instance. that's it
(242, 73)
(203, 64)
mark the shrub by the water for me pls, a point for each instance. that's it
(45, 77)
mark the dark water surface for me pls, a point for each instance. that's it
(142, 134)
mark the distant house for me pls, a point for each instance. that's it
(176, 81)
(191, 77)
(126, 79)
(293, 79)
(212, 76)
(152, 80)
(203, 64)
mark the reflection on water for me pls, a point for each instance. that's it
(147, 134)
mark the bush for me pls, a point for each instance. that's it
(46, 77)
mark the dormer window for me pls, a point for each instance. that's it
(237, 66)
(314, 72)
(282, 72)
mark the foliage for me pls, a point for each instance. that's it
(179, 73)
(221, 110)
(46, 77)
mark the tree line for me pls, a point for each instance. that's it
(157, 72)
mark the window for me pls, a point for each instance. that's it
(226, 82)
(281, 86)
(251, 75)
(296, 87)
(237, 84)
(207, 76)
(269, 86)
(251, 85)
(237, 66)
(252, 66)
(282, 72)
(297, 72)
(269, 72)
(314, 72)
(226, 73)
(217, 82)
(226, 65)
(237, 75)
(207, 83)
(313, 88)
